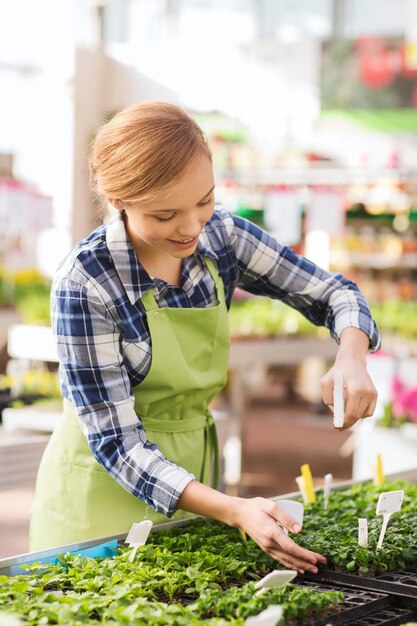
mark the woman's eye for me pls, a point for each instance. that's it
(170, 217)
(164, 219)
(205, 202)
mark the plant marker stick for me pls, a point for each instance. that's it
(232, 454)
(363, 532)
(308, 482)
(328, 479)
(389, 502)
(379, 473)
(138, 535)
(269, 617)
(301, 486)
(242, 534)
(275, 579)
(338, 401)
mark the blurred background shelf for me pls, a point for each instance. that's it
(29, 418)
(20, 454)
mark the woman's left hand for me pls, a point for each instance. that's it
(359, 390)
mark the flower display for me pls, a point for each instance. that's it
(402, 407)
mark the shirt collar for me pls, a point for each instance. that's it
(204, 248)
(132, 274)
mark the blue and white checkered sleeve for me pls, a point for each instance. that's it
(265, 267)
(93, 374)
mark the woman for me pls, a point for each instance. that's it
(139, 312)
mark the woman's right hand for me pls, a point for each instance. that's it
(264, 521)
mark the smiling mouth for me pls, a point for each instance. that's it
(184, 242)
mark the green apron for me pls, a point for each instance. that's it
(76, 499)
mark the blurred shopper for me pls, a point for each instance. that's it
(139, 313)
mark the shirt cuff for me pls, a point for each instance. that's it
(370, 329)
(185, 480)
(164, 492)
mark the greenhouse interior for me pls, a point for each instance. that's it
(208, 312)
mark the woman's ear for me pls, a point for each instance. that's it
(118, 204)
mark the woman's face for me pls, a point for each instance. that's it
(171, 226)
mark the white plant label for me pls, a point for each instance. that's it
(389, 502)
(363, 532)
(270, 617)
(138, 535)
(338, 400)
(139, 532)
(328, 480)
(275, 579)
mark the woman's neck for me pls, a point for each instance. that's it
(161, 266)
(158, 264)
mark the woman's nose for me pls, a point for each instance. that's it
(190, 226)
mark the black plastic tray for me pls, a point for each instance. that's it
(358, 602)
(383, 617)
(402, 583)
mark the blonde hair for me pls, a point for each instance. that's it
(142, 150)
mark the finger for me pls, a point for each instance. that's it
(289, 563)
(352, 407)
(370, 409)
(293, 550)
(327, 390)
(352, 418)
(292, 563)
(278, 540)
(285, 520)
(357, 406)
(359, 396)
(368, 412)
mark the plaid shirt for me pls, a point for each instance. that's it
(104, 344)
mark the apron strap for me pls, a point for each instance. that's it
(211, 441)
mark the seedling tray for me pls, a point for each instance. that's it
(379, 617)
(384, 617)
(402, 583)
(357, 602)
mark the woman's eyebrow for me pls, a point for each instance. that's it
(173, 210)
(207, 194)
